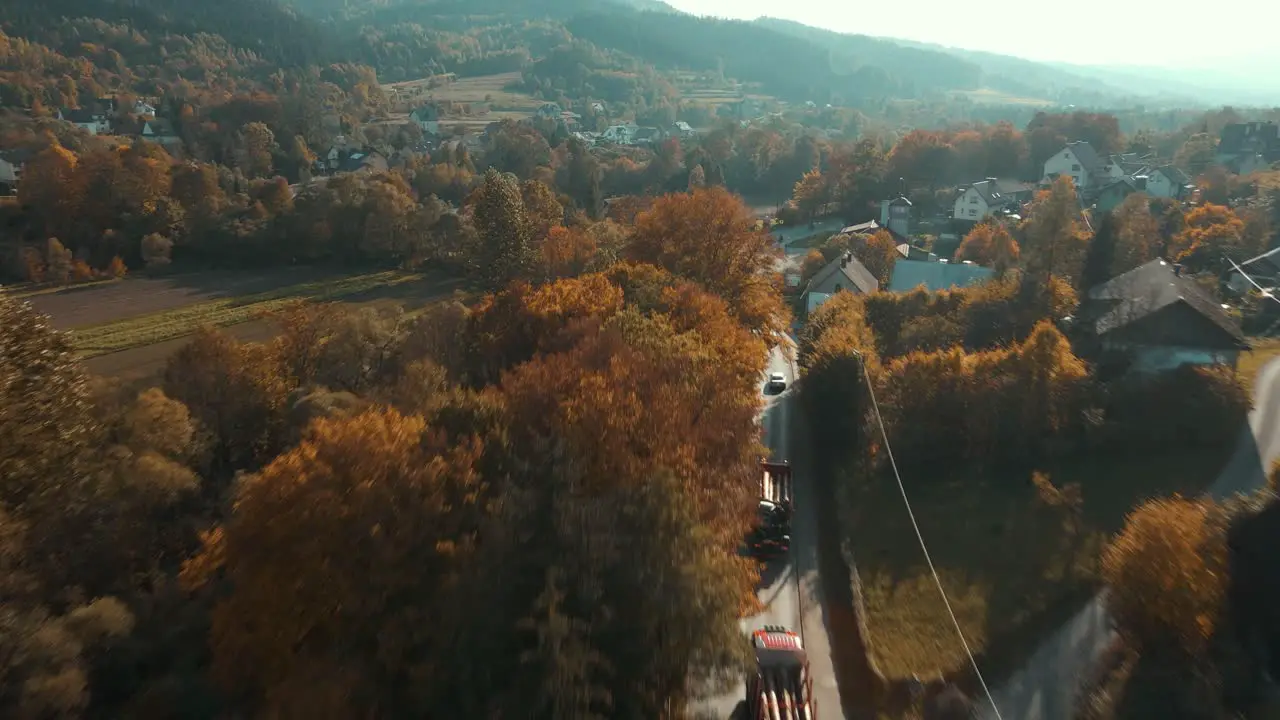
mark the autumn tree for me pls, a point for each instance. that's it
(1054, 238)
(156, 250)
(255, 149)
(58, 261)
(991, 245)
(878, 252)
(506, 249)
(1166, 572)
(709, 237)
(1211, 234)
(48, 186)
(236, 391)
(1137, 235)
(810, 194)
(352, 590)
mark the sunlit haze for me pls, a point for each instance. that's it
(1086, 32)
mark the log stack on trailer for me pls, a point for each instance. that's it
(781, 688)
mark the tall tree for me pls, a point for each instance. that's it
(1055, 239)
(506, 249)
(710, 237)
(989, 244)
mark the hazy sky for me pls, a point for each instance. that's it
(1173, 33)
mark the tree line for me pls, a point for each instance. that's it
(527, 507)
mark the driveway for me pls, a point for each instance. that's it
(790, 590)
(1045, 689)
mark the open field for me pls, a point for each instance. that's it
(1264, 350)
(1010, 561)
(91, 304)
(414, 294)
(986, 96)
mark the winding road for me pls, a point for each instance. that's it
(1046, 687)
(790, 590)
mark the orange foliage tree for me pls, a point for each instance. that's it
(878, 252)
(1167, 574)
(340, 557)
(1054, 237)
(1210, 233)
(989, 244)
(709, 236)
(984, 406)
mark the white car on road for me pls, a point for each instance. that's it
(777, 382)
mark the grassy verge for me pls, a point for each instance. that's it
(1013, 564)
(1264, 351)
(158, 327)
(26, 291)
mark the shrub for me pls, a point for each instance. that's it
(1167, 573)
(1192, 406)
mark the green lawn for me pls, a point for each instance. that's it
(1264, 350)
(1012, 566)
(157, 327)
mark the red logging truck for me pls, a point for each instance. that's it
(781, 688)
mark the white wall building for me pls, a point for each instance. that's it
(1080, 162)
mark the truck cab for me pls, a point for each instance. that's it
(781, 688)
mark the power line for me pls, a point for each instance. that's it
(916, 526)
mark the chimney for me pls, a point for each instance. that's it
(992, 181)
(1140, 182)
(1177, 269)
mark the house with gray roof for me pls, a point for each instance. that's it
(988, 197)
(845, 273)
(1079, 161)
(1155, 318)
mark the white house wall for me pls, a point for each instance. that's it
(1065, 162)
(970, 206)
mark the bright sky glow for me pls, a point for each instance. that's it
(1174, 33)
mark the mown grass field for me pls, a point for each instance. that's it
(987, 96)
(128, 328)
(169, 324)
(1013, 566)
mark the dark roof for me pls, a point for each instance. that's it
(16, 156)
(1122, 183)
(79, 115)
(855, 271)
(1087, 156)
(1150, 288)
(160, 126)
(1251, 137)
(991, 194)
(646, 133)
(360, 160)
(1268, 263)
(1175, 175)
(1009, 186)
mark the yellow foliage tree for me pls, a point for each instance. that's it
(1167, 574)
(340, 555)
(1054, 237)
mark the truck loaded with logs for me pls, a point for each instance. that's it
(772, 534)
(781, 688)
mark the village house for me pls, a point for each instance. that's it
(12, 163)
(549, 110)
(1079, 161)
(647, 136)
(427, 117)
(989, 197)
(1248, 147)
(142, 107)
(620, 134)
(1154, 318)
(95, 122)
(683, 130)
(363, 162)
(845, 273)
(160, 130)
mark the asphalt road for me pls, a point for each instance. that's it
(1045, 689)
(789, 589)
